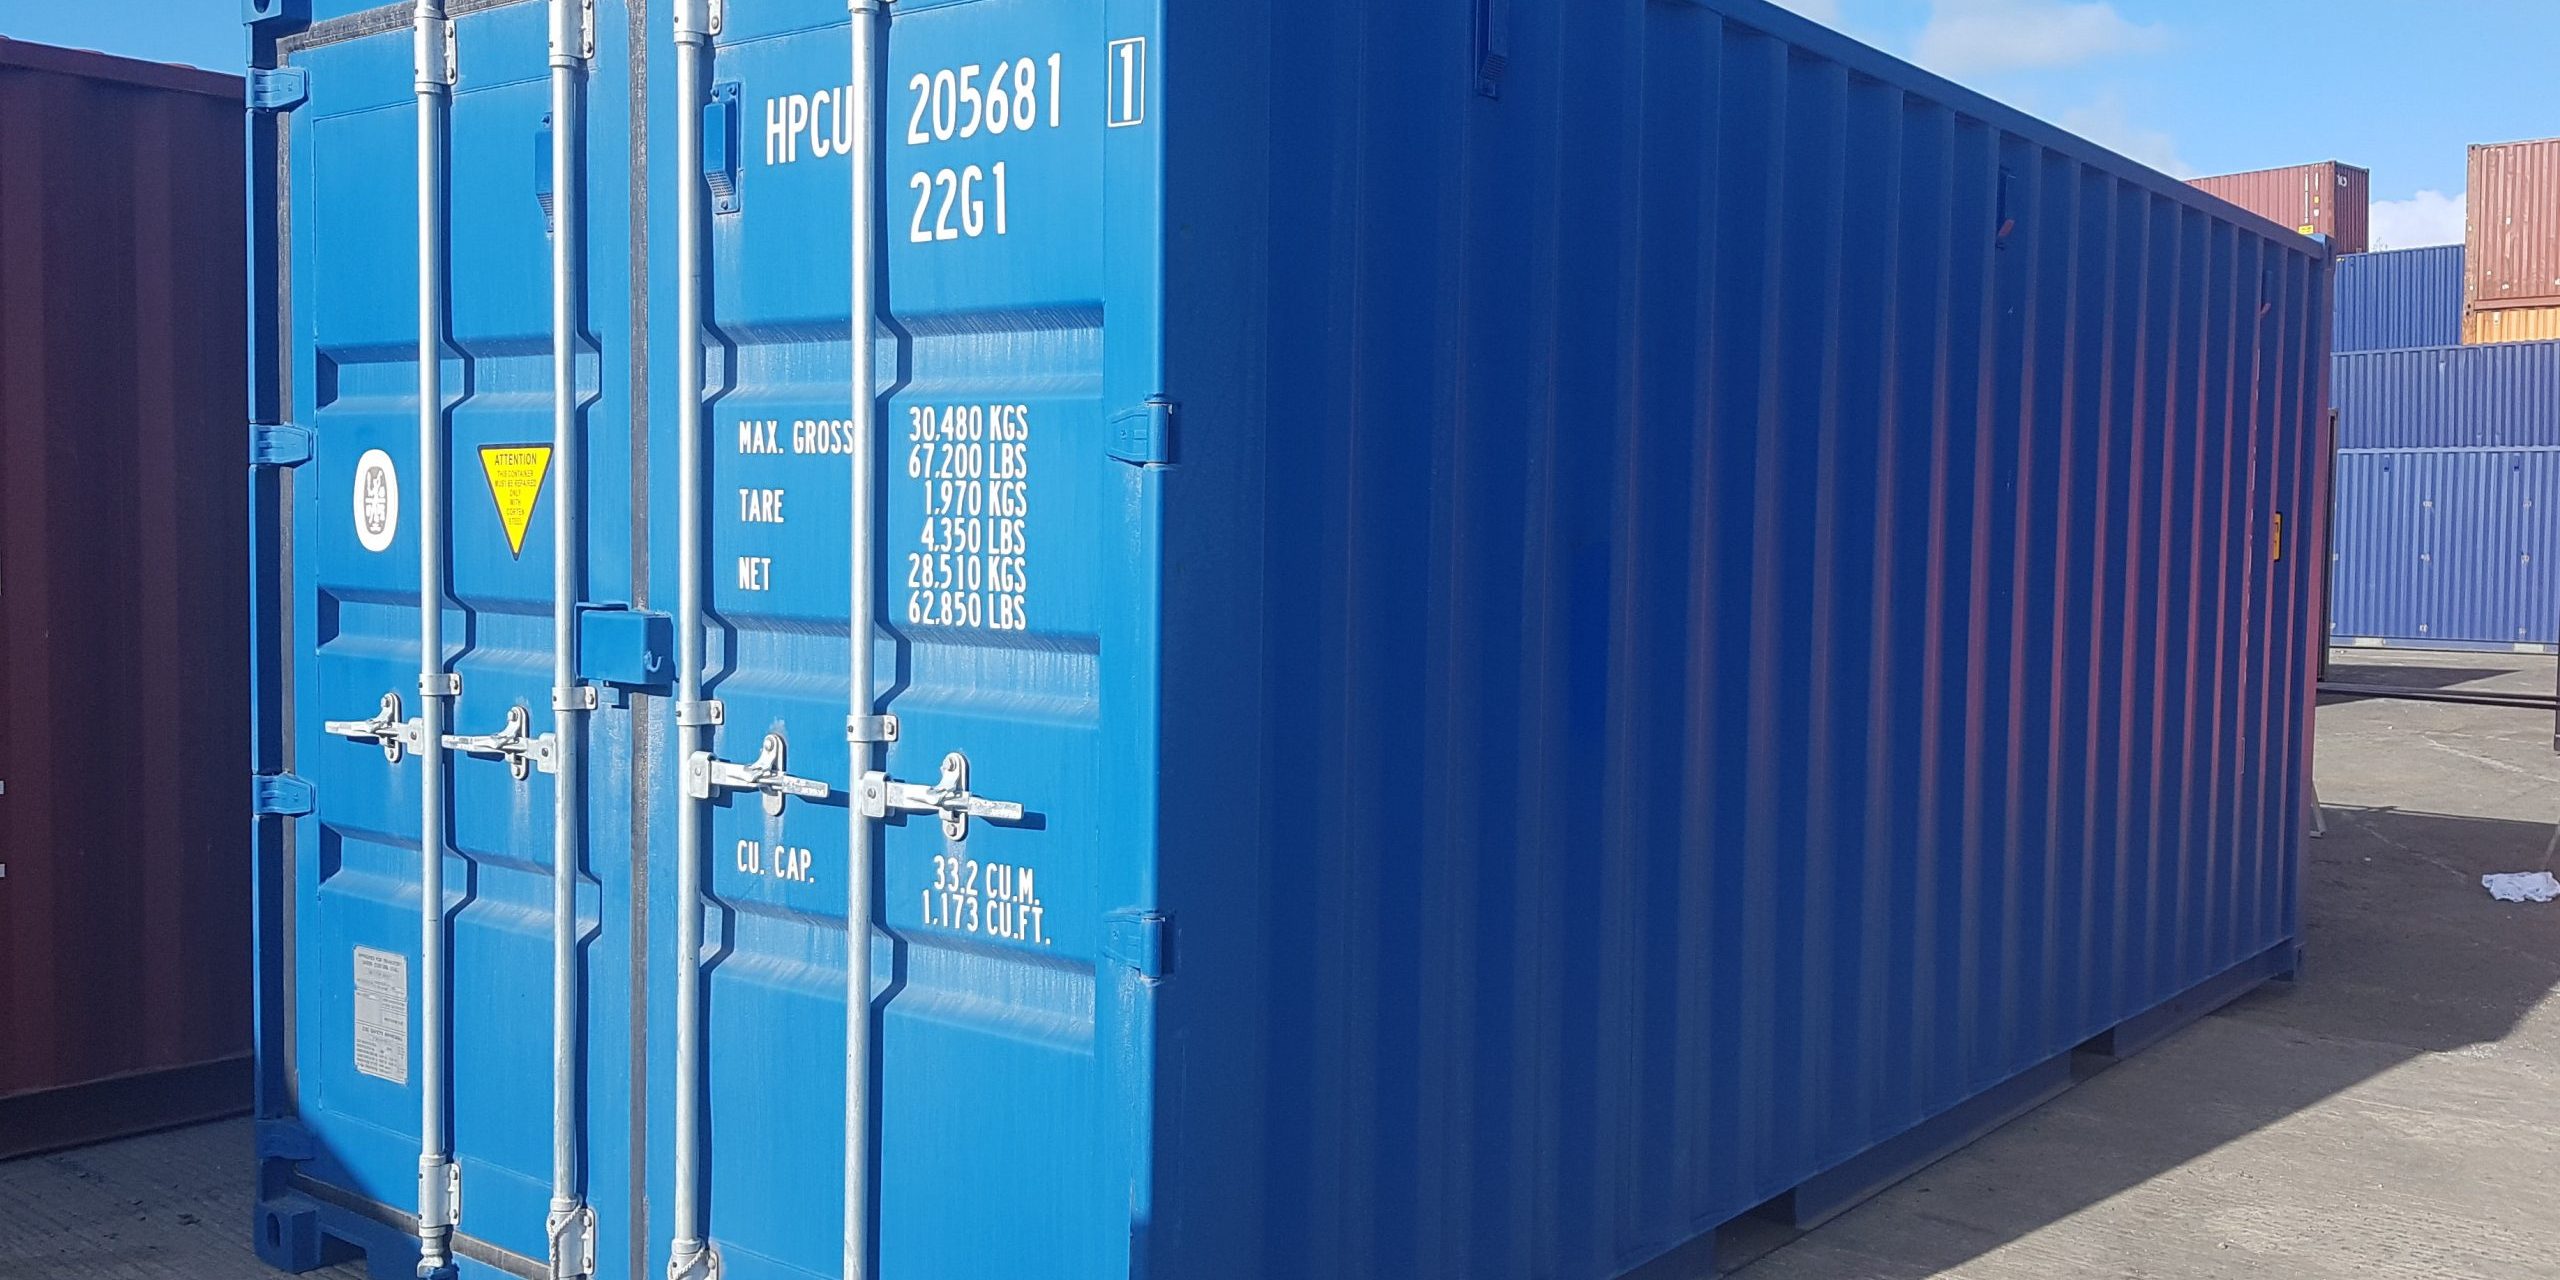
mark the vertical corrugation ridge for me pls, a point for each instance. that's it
(1697, 1146)
(1979, 177)
(1877, 142)
(1810, 889)
(1931, 973)
(2027, 328)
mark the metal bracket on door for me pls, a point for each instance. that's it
(705, 774)
(516, 743)
(573, 1244)
(386, 727)
(880, 795)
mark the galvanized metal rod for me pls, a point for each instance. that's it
(862, 621)
(436, 1207)
(569, 706)
(688, 1254)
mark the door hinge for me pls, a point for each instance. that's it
(279, 444)
(1144, 435)
(284, 1140)
(281, 795)
(1136, 939)
(278, 88)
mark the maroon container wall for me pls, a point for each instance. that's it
(2512, 246)
(124, 930)
(2328, 198)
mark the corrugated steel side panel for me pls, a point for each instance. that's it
(2514, 225)
(2328, 198)
(1720, 609)
(2399, 298)
(2448, 547)
(2512, 324)
(2502, 397)
(2448, 503)
(123, 921)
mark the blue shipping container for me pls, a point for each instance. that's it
(2447, 526)
(1492, 632)
(2399, 298)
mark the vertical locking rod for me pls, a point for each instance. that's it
(569, 706)
(864, 833)
(436, 1207)
(689, 1254)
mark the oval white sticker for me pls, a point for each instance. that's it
(377, 500)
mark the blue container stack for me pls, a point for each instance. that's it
(2448, 467)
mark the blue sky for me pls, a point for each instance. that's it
(2191, 86)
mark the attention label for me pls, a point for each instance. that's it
(382, 1014)
(515, 474)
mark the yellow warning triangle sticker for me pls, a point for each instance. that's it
(515, 474)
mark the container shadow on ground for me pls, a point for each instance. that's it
(2419, 677)
(2406, 958)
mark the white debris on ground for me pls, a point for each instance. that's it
(2522, 886)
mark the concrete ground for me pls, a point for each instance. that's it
(2396, 1114)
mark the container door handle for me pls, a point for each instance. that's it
(705, 774)
(386, 728)
(516, 744)
(949, 796)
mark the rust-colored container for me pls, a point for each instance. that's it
(124, 903)
(2512, 244)
(2328, 198)
(2512, 324)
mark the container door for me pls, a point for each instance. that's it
(1013, 957)
(343, 1138)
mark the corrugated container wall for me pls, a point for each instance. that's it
(2514, 224)
(2512, 324)
(2328, 198)
(1508, 641)
(2448, 503)
(2399, 298)
(124, 999)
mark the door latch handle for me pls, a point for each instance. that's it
(516, 743)
(386, 728)
(705, 775)
(949, 796)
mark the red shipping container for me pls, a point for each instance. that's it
(2328, 198)
(2512, 244)
(124, 902)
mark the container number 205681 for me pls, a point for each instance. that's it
(1017, 95)
(1008, 96)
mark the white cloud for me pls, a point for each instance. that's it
(1975, 36)
(1826, 12)
(2429, 217)
(2107, 123)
